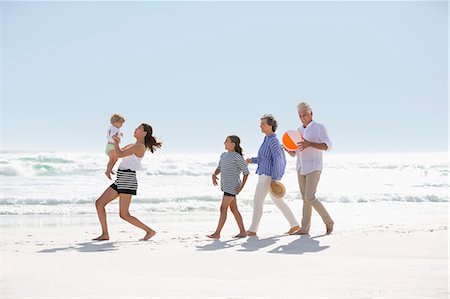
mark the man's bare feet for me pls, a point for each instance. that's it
(214, 236)
(300, 232)
(148, 235)
(293, 230)
(329, 227)
(241, 235)
(251, 234)
(108, 174)
(102, 237)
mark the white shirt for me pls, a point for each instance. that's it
(131, 162)
(310, 159)
(113, 130)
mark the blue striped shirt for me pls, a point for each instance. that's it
(271, 159)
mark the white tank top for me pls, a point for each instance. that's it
(131, 162)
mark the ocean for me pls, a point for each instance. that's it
(62, 183)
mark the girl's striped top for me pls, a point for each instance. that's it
(231, 165)
(271, 159)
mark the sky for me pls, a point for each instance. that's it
(374, 73)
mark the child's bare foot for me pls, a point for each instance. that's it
(148, 235)
(108, 174)
(102, 237)
(251, 234)
(241, 235)
(214, 236)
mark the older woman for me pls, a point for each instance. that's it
(271, 165)
(126, 184)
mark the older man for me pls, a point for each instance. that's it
(309, 166)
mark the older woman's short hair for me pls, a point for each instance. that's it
(271, 121)
(304, 105)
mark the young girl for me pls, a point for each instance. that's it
(126, 183)
(231, 165)
(116, 121)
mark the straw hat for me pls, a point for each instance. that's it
(277, 190)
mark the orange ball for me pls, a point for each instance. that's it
(291, 138)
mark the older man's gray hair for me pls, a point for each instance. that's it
(304, 105)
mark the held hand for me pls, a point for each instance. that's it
(303, 144)
(116, 139)
(273, 183)
(291, 153)
(214, 179)
(248, 161)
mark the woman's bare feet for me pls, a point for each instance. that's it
(148, 235)
(241, 235)
(329, 227)
(293, 230)
(214, 236)
(103, 237)
(251, 234)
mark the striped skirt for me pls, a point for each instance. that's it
(125, 182)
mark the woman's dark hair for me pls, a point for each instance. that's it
(271, 121)
(237, 143)
(150, 141)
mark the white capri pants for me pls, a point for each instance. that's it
(262, 188)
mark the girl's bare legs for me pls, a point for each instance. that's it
(100, 204)
(226, 201)
(112, 161)
(125, 200)
(238, 217)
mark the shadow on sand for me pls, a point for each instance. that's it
(255, 243)
(300, 245)
(94, 246)
(217, 244)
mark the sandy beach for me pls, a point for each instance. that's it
(365, 83)
(377, 250)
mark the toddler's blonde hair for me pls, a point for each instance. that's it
(117, 118)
